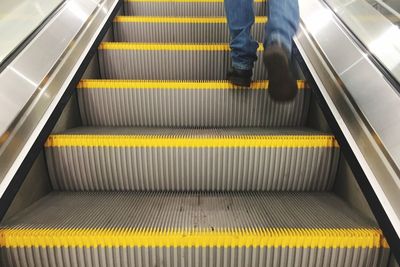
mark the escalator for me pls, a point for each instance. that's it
(170, 165)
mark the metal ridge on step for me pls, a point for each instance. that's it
(257, 224)
(176, 29)
(191, 229)
(184, 8)
(187, 104)
(169, 61)
(160, 159)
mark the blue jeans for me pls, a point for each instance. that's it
(283, 20)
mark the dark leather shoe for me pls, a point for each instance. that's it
(282, 85)
(240, 77)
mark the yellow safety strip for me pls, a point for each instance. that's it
(187, 1)
(195, 20)
(290, 141)
(166, 46)
(269, 237)
(179, 85)
(4, 137)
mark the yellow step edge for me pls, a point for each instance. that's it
(185, 1)
(195, 20)
(166, 46)
(4, 137)
(260, 237)
(270, 141)
(175, 85)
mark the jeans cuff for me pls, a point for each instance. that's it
(242, 66)
(275, 37)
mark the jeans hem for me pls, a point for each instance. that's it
(239, 66)
(275, 37)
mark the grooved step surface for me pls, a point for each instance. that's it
(187, 104)
(192, 159)
(184, 8)
(120, 229)
(147, 61)
(178, 29)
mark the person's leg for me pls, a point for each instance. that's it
(240, 16)
(283, 20)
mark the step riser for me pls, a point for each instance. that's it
(192, 169)
(212, 257)
(190, 108)
(169, 65)
(183, 9)
(178, 32)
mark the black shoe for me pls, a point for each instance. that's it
(240, 77)
(282, 85)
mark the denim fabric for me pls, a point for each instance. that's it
(283, 20)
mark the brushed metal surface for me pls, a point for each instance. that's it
(369, 89)
(23, 134)
(375, 31)
(364, 104)
(19, 19)
(24, 77)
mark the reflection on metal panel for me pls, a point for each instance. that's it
(18, 19)
(23, 77)
(390, 10)
(364, 104)
(366, 84)
(380, 34)
(31, 122)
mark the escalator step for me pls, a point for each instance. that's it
(191, 229)
(178, 29)
(234, 159)
(184, 8)
(187, 104)
(151, 61)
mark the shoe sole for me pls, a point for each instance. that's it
(239, 82)
(282, 85)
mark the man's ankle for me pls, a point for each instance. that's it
(240, 77)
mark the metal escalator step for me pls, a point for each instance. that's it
(151, 61)
(184, 8)
(191, 229)
(159, 159)
(187, 104)
(178, 29)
